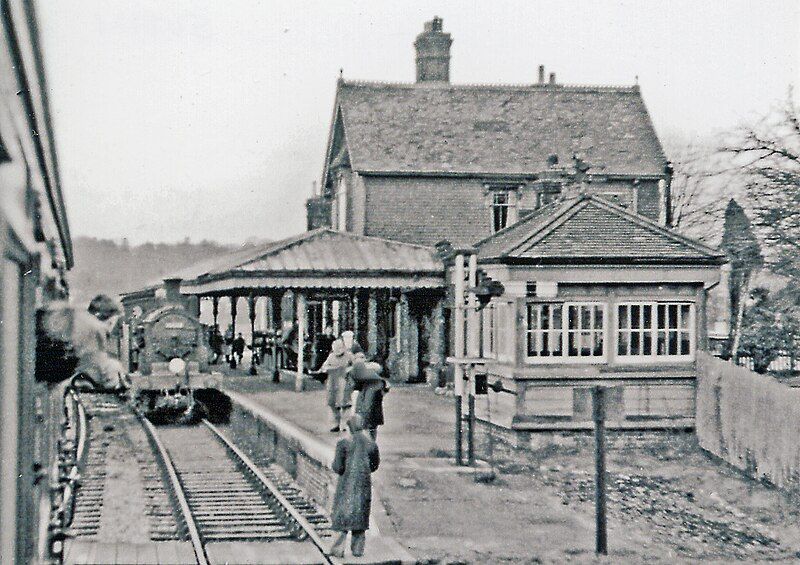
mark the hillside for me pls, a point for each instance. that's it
(104, 266)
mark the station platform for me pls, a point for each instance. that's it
(79, 552)
(417, 438)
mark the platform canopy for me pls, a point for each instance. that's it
(320, 259)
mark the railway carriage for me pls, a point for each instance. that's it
(35, 252)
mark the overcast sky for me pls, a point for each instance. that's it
(208, 119)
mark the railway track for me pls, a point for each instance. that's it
(198, 484)
(225, 497)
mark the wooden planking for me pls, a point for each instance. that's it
(653, 400)
(77, 552)
(147, 554)
(665, 400)
(278, 552)
(548, 401)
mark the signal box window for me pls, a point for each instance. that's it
(566, 332)
(655, 330)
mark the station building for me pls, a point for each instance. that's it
(559, 192)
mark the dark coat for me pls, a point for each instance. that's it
(356, 458)
(369, 403)
(238, 345)
(370, 387)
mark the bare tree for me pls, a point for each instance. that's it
(768, 155)
(698, 191)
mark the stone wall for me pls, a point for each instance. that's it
(264, 442)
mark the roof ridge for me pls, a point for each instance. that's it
(653, 226)
(551, 224)
(532, 86)
(376, 238)
(537, 214)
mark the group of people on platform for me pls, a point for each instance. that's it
(357, 455)
(231, 347)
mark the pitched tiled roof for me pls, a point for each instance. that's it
(589, 229)
(446, 128)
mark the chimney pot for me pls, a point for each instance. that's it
(433, 53)
(541, 74)
(552, 78)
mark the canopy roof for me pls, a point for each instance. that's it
(321, 259)
(591, 230)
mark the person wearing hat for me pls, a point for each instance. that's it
(371, 388)
(356, 458)
(338, 384)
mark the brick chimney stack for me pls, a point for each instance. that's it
(552, 78)
(541, 74)
(433, 53)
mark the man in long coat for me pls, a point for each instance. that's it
(356, 458)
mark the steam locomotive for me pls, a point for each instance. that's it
(166, 350)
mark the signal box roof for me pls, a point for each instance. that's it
(590, 230)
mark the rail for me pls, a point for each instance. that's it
(307, 527)
(177, 488)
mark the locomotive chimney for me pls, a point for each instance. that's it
(172, 289)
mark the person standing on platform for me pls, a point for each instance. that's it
(238, 348)
(324, 345)
(356, 458)
(351, 345)
(338, 383)
(371, 389)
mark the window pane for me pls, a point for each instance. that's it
(573, 317)
(598, 317)
(556, 347)
(572, 344)
(673, 343)
(622, 314)
(662, 317)
(647, 312)
(556, 316)
(684, 316)
(685, 343)
(673, 315)
(586, 317)
(598, 344)
(635, 316)
(647, 343)
(545, 316)
(586, 343)
(533, 316)
(635, 344)
(622, 343)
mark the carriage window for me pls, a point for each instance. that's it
(566, 330)
(655, 330)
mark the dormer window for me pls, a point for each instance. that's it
(502, 205)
